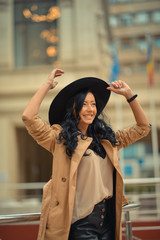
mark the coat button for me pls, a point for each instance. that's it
(103, 209)
(57, 203)
(102, 216)
(63, 179)
(101, 224)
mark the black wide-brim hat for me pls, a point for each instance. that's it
(97, 86)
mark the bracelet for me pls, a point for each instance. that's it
(132, 98)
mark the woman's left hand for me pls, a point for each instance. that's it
(120, 88)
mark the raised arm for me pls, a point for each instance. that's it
(33, 106)
(122, 88)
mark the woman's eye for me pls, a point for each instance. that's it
(92, 104)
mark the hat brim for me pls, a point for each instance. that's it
(96, 85)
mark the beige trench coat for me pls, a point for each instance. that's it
(59, 192)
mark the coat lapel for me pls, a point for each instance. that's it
(75, 160)
(79, 152)
(112, 154)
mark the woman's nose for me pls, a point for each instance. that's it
(89, 108)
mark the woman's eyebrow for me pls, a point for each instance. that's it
(91, 101)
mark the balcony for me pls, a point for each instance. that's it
(132, 7)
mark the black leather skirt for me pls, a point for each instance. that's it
(99, 225)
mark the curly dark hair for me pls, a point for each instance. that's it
(98, 130)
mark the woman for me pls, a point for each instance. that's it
(84, 198)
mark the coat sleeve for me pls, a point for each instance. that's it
(130, 135)
(43, 133)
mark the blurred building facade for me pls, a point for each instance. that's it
(39, 35)
(133, 26)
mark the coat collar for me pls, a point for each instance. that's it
(82, 147)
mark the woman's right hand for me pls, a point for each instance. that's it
(33, 106)
(55, 73)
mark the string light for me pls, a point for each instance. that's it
(51, 51)
(27, 13)
(34, 7)
(53, 13)
(50, 35)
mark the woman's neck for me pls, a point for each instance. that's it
(83, 128)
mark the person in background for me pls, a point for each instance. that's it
(84, 197)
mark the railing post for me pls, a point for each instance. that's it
(128, 224)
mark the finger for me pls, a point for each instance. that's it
(115, 84)
(120, 83)
(111, 89)
(59, 70)
(56, 71)
(59, 73)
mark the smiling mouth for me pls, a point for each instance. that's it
(88, 116)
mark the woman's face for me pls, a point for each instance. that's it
(88, 112)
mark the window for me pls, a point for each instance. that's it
(120, 1)
(31, 161)
(155, 16)
(157, 65)
(157, 41)
(142, 18)
(125, 1)
(137, 157)
(113, 21)
(141, 0)
(35, 32)
(126, 43)
(142, 44)
(127, 69)
(141, 67)
(112, 1)
(126, 19)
